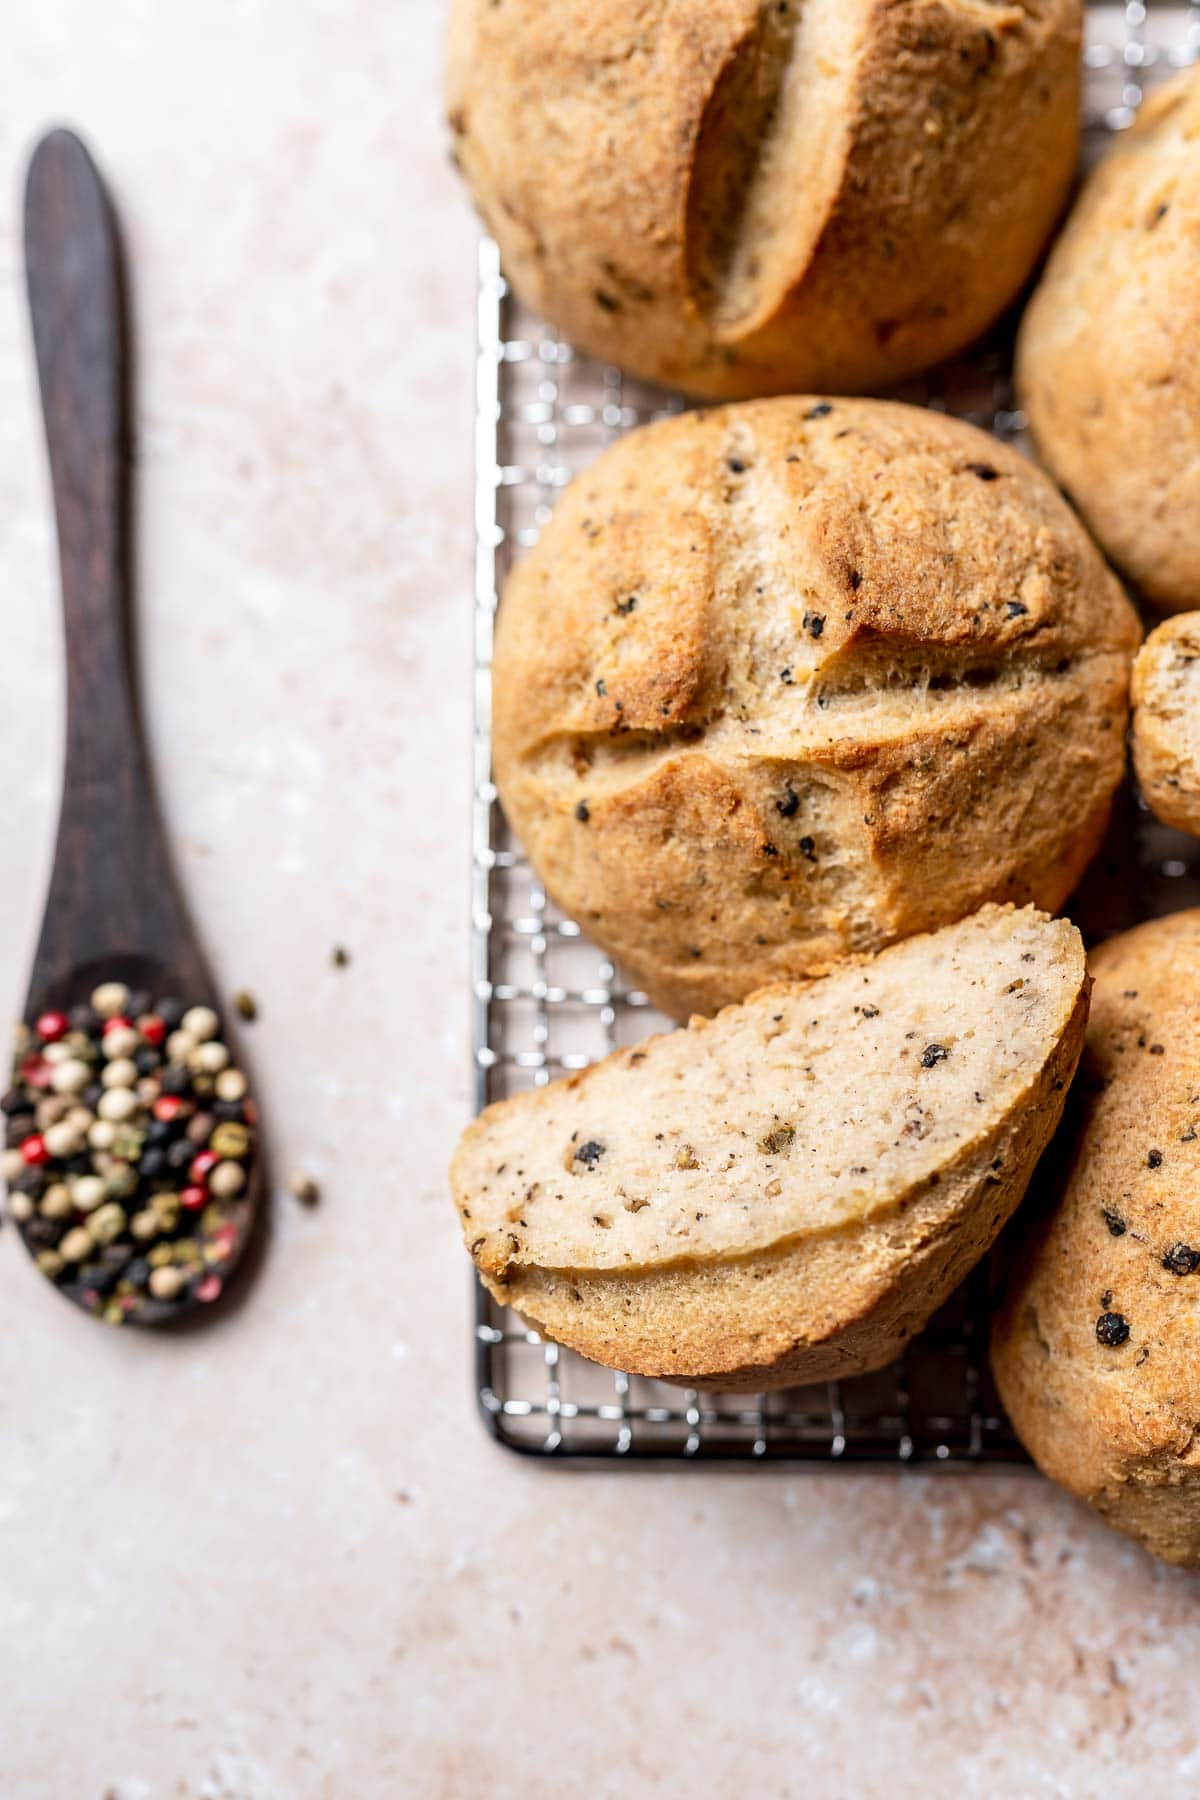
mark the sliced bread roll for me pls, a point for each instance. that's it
(1166, 721)
(786, 1192)
(1096, 1349)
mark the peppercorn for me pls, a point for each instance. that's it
(50, 1263)
(233, 1141)
(147, 1061)
(76, 1244)
(179, 1154)
(201, 1022)
(71, 1076)
(1112, 1329)
(117, 1105)
(110, 998)
(193, 1198)
(245, 1005)
(305, 1188)
(1181, 1259)
(20, 1206)
(34, 1150)
(166, 1283)
(107, 1224)
(50, 1026)
(226, 1180)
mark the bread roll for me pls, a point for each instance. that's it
(1108, 363)
(1097, 1348)
(786, 1192)
(788, 680)
(739, 197)
(1166, 721)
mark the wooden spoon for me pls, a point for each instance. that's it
(114, 910)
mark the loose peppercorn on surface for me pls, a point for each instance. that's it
(797, 1182)
(792, 679)
(1096, 1350)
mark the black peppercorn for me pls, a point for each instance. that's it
(933, 1053)
(14, 1101)
(153, 1163)
(582, 813)
(1181, 1259)
(159, 1131)
(230, 1110)
(29, 1181)
(85, 1019)
(42, 1234)
(19, 1127)
(180, 1153)
(589, 1154)
(138, 1271)
(146, 1061)
(175, 1081)
(100, 1279)
(171, 1012)
(1114, 1221)
(1112, 1329)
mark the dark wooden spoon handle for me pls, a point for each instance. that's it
(111, 891)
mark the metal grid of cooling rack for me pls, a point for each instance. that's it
(545, 1002)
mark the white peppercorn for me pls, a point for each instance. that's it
(64, 1139)
(119, 1074)
(231, 1085)
(70, 1077)
(76, 1245)
(102, 1134)
(20, 1207)
(210, 1058)
(87, 1191)
(117, 1105)
(110, 999)
(56, 1202)
(166, 1282)
(226, 1180)
(121, 1042)
(202, 1022)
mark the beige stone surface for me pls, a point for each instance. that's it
(279, 1560)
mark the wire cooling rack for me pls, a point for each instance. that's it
(547, 1002)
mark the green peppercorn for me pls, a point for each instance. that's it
(50, 1263)
(230, 1140)
(108, 1222)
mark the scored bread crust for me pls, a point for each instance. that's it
(1108, 358)
(740, 198)
(1166, 721)
(1118, 1422)
(824, 1293)
(792, 679)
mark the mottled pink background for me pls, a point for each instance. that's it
(279, 1560)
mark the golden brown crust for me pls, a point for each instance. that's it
(1166, 721)
(792, 679)
(741, 198)
(1097, 1347)
(1108, 363)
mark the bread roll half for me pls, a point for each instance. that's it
(785, 1193)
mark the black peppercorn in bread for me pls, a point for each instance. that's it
(1166, 721)
(786, 1192)
(748, 196)
(789, 680)
(1108, 363)
(1097, 1347)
